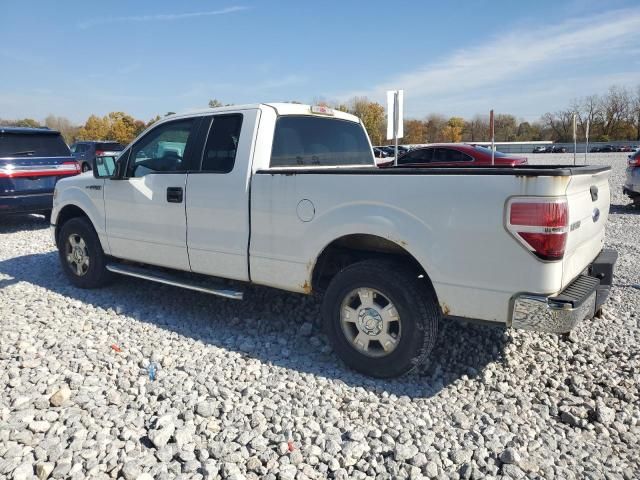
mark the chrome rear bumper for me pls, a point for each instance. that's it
(531, 312)
(561, 313)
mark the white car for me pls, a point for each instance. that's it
(287, 196)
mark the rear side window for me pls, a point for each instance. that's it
(32, 145)
(109, 147)
(422, 155)
(450, 155)
(305, 141)
(487, 151)
(219, 153)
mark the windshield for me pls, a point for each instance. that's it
(109, 147)
(488, 151)
(43, 144)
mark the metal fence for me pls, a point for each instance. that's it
(525, 147)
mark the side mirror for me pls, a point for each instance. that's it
(104, 166)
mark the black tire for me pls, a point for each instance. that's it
(47, 215)
(95, 275)
(416, 306)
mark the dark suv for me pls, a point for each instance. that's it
(85, 151)
(32, 160)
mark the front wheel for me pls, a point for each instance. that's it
(81, 254)
(382, 319)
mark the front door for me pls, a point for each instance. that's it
(145, 211)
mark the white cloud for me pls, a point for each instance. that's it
(515, 58)
(159, 17)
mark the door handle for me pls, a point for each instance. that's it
(174, 194)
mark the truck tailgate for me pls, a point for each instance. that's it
(588, 198)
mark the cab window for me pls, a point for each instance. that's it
(219, 154)
(306, 140)
(162, 150)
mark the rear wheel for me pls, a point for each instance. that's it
(382, 319)
(81, 254)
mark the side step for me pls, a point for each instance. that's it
(176, 280)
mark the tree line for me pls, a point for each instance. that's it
(614, 115)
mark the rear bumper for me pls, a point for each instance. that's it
(26, 203)
(630, 192)
(631, 186)
(562, 312)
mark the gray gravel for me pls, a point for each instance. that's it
(251, 390)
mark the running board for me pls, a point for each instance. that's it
(171, 279)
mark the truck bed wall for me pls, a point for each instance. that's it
(452, 224)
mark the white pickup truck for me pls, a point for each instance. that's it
(287, 196)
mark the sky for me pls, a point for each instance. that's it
(76, 58)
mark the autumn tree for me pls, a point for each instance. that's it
(214, 103)
(506, 127)
(528, 131)
(117, 126)
(153, 120)
(372, 115)
(122, 127)
(414, 132)
(23, 122)
(64, 126)
(452, 132)
(560, 125)
(95, 128)
(614, 107)
(434, 126)
(476, 129)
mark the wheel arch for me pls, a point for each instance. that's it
(65, 214)
(351, 248)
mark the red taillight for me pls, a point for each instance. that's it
(545, 214)
(634, 160)
(75, 166)
(15, 171)
(540, 224)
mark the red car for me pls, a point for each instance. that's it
(454, 155)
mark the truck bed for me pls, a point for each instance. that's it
(451, 220)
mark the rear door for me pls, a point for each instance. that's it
(145, 211)
(217, 200)
(588, 196)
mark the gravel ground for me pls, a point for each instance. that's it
(251, 389)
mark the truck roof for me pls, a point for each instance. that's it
(280, 108)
